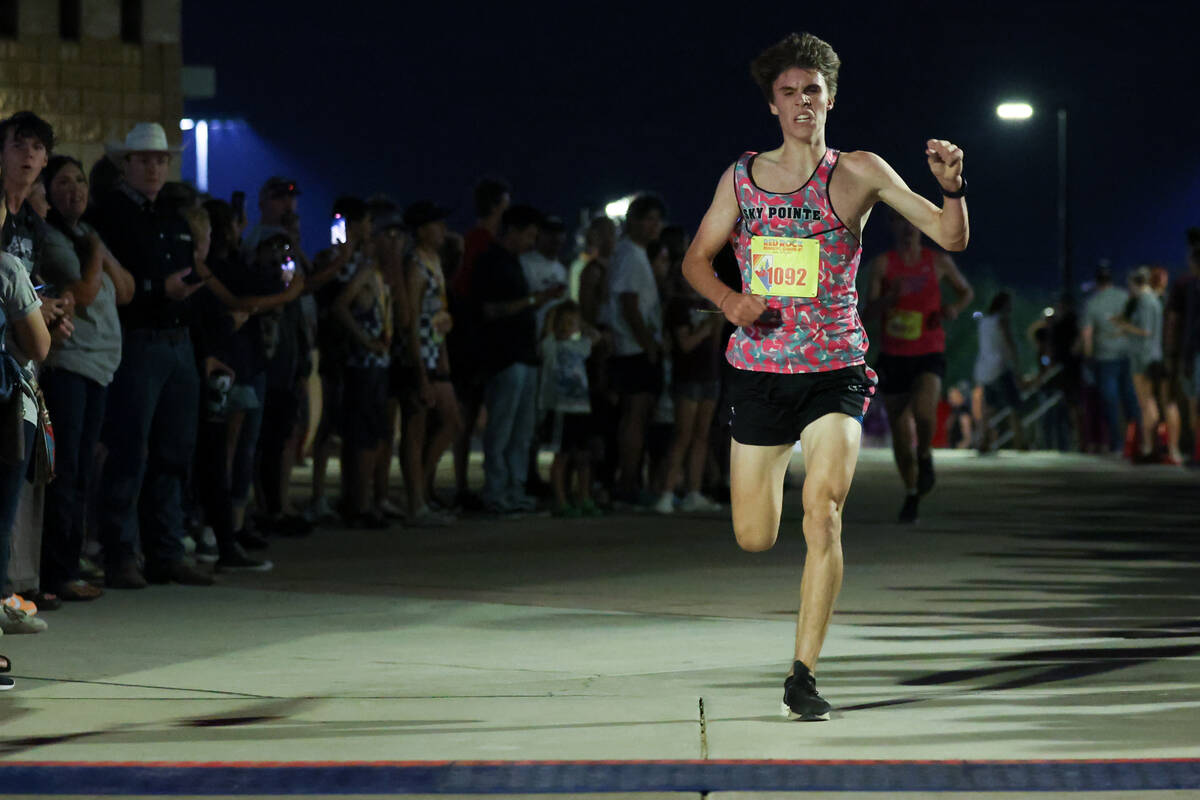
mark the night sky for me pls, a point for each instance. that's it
(577, 107)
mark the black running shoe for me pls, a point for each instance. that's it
(925, 477)
(801, 701)
(251, 540)
(235, 559)
(908, 514)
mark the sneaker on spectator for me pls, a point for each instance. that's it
(425, 517)
(389, 509)
(20, 603)
(589, 509)
(251, 540)
(237, 560)
(206, 546)
(524, 502)
(181, 572)
(90, 570)
(665, 503)
(13, 620)
(126, 575)
(321, 511)
(189, 545)
(694, 502)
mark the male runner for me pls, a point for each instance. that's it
(796, 215)
(905, 291)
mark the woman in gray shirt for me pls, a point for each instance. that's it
(77, 374)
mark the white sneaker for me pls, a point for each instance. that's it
(13, 620)
(694, 502)
(665, 504)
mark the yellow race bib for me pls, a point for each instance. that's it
(783, 267)
(906, 325)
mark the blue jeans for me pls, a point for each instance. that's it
(510, 397)
(150, 433)
(76, 406)
(242, 477)
(1115, 383)
(11, 478)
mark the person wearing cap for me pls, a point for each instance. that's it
(429, 323)
(1107, 348)
(153, 400)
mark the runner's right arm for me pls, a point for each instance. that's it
(718, 223)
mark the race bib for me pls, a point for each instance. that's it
(783, 267)
(905, 325)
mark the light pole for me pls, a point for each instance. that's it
(1018, 112)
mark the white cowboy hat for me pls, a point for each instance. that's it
(145, 137)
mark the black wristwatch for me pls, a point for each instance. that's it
(962, 190)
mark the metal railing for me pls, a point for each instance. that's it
(1028, 420)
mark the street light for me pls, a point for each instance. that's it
(1018, 112)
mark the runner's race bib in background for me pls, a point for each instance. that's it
(783, 267)
(906, 325)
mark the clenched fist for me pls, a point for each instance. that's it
(945, 162)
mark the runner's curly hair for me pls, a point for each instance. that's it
(801, 50)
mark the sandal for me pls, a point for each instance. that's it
(79, 591)
(5, 664)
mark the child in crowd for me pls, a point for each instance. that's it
(564, 394)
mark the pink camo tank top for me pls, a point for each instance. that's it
(819, 333)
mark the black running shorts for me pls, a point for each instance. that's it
(897, 374)
(767, 408)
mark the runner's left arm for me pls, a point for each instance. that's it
(948, 225)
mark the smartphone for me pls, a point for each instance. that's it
(337, 230)
(288, 270)
(239, 204)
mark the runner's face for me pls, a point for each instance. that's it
(801, 101)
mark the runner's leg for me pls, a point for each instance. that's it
(900, 418)
(756, 492)
(830, 446)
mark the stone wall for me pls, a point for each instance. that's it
(94, 90)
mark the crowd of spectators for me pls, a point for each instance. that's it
(1120, 379)
(188, 360)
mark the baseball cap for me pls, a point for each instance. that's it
(277, 184)
(423, 212)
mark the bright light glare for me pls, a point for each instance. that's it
(618, 208)
(186, 124)
(1014, 111)
(1047, 312)
(202, 156)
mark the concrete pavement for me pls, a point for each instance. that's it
(1043, 610)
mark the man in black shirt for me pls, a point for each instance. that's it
(153, 400)
(508, 341)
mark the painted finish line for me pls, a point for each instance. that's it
(503, 777)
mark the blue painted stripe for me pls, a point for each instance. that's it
(587, 777)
